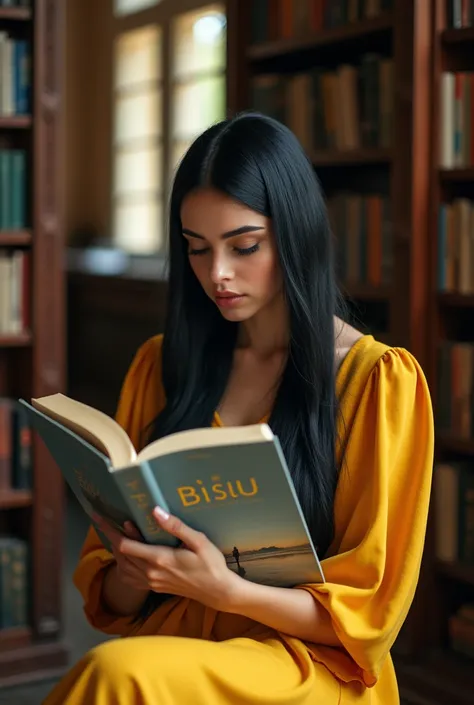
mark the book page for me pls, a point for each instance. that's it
(95, 427)
(206, 438)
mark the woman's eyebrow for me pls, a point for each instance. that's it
(231, 233)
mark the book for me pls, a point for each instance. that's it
(231, 483)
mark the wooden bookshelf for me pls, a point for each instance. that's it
(456, 300)
(359, 31)
(463, 35)
(355, 157)
(16, 238)
(15, 122)
(366, 292)
(15, 498)
(17, 340)
(456, 571)
(18, 14)
(14, 638)
(32, 362)
(437, 677)
(465, 174)
(450, 444)
(451, 583)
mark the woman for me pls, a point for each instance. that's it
(252, 335)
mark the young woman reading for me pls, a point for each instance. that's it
(253, 334)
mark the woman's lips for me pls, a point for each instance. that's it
(227, 300)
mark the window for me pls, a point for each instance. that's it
(198, 75)
(137, 140)
(127, 7)
(158, 111)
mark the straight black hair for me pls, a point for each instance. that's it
(260, 163)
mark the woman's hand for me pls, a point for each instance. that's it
(196, 570)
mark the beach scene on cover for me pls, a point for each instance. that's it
(265, 542)
(273, 565)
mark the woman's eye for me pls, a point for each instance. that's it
(248, 250)
(192, 252)
(201, 251)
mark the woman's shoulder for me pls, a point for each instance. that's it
(146, 364)
(365, 360)
(149, 350)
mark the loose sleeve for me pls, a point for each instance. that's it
(381, 516)
(141, 399)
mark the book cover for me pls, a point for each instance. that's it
(88, 473)
(238, 493)
(243, 500)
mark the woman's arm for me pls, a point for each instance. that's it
(120, 598)
(292, 611)
(199, 572)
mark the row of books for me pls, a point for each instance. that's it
(15, 447)
(288, 19)
(362, 225)
(13, 179)
(453, 485)
(457, 120)
(14, 582)
(346, 108)
(15, 266)
(15, 76)
(455, 396)
(461, 630)
(459, 13)
(456, 246)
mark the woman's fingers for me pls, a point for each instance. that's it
(132, 532)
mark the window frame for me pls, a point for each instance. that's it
(163, 14)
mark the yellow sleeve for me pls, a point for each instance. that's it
(381, 516)
(141, 399)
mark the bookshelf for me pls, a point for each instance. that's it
(31, 332)
(15, 13)
(452, 335)
(346, 34)
(407, 307)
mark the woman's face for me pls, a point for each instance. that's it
(232, 252)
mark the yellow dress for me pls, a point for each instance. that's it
(187, 653)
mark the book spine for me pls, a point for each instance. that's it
(19, 582)
(140, 491)
(6, 601)
(5, 444)
(22, 473)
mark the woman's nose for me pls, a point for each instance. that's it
(221, 269)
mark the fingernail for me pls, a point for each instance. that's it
(161, 514)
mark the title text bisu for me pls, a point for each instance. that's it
(217, 492)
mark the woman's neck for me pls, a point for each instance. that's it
(268, 332)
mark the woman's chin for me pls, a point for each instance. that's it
(236, 316)
(236, 313)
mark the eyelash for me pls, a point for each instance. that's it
(241, 252)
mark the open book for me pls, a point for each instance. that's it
(232, 484)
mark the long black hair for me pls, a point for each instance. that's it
(260, 163)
